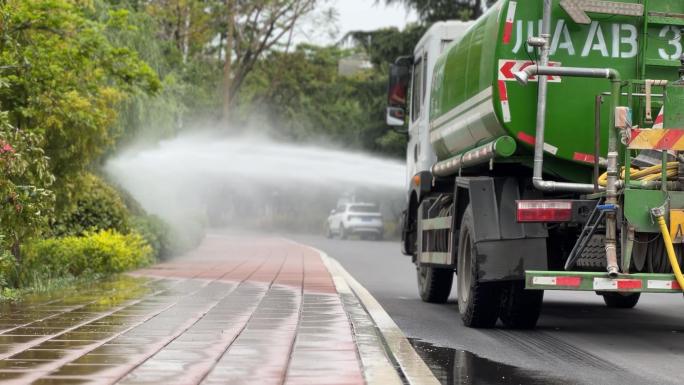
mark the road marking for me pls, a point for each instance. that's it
(414, 369)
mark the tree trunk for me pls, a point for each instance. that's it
(228, 64)
(186, 33)
(16, 250)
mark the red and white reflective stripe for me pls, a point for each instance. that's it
(663, 285)
(586, 158)
(529, 139)
(508, 68)
(617, 284)
(503, 96)
(510, 18)
(557, 281)
(660, 119)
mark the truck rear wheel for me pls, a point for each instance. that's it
(478, 302)
(621, 300)
(434, 284)
(520, 308)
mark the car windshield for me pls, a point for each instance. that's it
(363, 208)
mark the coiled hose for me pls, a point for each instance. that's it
(647, 174)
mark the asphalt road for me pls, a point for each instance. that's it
(578, 339)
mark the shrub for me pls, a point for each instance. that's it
(97, 207)
(26, 198)
(156, 232)
(8, 270)
(103, 252)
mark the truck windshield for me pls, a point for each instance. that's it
(363, 208)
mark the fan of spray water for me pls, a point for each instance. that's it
(222, 176)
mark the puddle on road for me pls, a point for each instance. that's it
(460, 367)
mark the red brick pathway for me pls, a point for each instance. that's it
(238, 310)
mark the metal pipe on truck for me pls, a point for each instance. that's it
(502, 147)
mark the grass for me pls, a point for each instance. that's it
(44, 284)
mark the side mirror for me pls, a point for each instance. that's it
(399, 79)
(397, 91)
(396, 116)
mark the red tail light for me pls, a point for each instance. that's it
(544, 211)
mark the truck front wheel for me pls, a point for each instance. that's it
(434, 284)
(478, 302)
(520, 308)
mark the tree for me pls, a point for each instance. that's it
(431, 11)
(189, 25)
(385, 45)
(65, 79)
(26, 201)
(252, 28)
(301, 95)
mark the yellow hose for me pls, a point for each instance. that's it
(647, 174)
(670, 250)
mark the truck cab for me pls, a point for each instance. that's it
(412, 76)
(409, 90)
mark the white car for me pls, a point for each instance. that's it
(363, 219)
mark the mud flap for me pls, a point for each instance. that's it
(505, 248)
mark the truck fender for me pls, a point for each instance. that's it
(505, 249)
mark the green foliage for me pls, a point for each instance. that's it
(306, 98)
(66, 79)
(104, 252)
(99, 206)
(96, 206)
(8, 270)
(431, 11)
(25, 198)
(385, 45)
(156, 233)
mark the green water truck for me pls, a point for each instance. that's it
(546, 152)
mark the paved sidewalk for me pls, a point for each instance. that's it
(238, 310)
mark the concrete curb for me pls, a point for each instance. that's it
(378, 367)
(415, 371)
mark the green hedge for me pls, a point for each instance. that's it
(103, 252)
(97, 206)
(157, 234)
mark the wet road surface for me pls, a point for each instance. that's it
(578, 340)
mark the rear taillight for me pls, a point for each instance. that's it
(544, 211)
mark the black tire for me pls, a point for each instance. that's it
(621, 300)
(329, 233)
(478, 302)
(520, 308)
(343, 233)
(434, 284)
